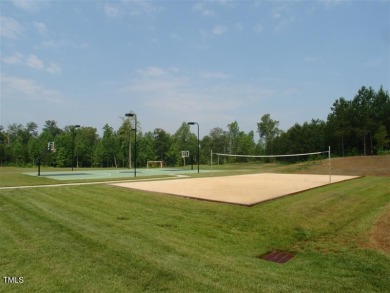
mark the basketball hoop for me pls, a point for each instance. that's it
(184, 155)
(50, 146)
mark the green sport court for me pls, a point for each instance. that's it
(86, 174)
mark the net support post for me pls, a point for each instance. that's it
(329, 166)
(211, 161)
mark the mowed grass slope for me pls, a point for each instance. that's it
(106, 239)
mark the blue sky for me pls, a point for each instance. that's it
(213, 62)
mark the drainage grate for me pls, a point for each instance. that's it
(277, 256)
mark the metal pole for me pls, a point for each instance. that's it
(211, 160)
(135, 142)
(330, 179)
(39, 165)
(73, 136)
(129, 143)
(72, 147)
(193, 123)
(135, 147)
(198, 147)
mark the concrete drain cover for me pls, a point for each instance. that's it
(277, 256)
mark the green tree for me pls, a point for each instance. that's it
(85, 143)
(233, 134)
(352, 124)
(51, 128)
(218, 140)
(268, 130)
(162, 143)
(381, 111)
(3, 145)
(60, 157)
(381, 138)
(182, 140)
(98, 154)
(17, 140)
(107, 148)
(247, 145)
(340, 121)
(126, 136)
(146, 148)
(33, 149)
(364, 124)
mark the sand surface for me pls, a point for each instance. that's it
(242, 189)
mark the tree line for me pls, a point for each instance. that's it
(359, 126)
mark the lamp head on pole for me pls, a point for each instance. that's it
(129, 114)
(191, 123)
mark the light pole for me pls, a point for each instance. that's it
(193, 123)
(157, 136)
(135, 141)
(73, 135)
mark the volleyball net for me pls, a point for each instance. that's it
(319, 153)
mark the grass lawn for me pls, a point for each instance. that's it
(13, 176)
(100, 238)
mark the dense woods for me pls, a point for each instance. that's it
(359, 126)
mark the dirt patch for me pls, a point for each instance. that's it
(380, 233)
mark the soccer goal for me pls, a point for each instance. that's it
(154, 164)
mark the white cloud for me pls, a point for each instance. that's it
(207, 35)
(207, 93)
(26, 89)
(55, 44)
(291, 91)
(117, 9)
(219, 30)
(112, 10)
(152, 72)
(144, 7)
(283, 15)
(14, 59)
(53, 68)
(214, 75)
(155, 86)
(258, 28)
(200, 7)
(331, 3)
(31, 61)
(10, 28)
(174, 36)
(34, 62)
(30, 5)
(73, 42)
(40, 27)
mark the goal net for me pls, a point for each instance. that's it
(154, 164)
(253, 157)
(270, 156)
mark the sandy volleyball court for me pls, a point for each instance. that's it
(242, 189)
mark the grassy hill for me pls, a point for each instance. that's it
(361, 166)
